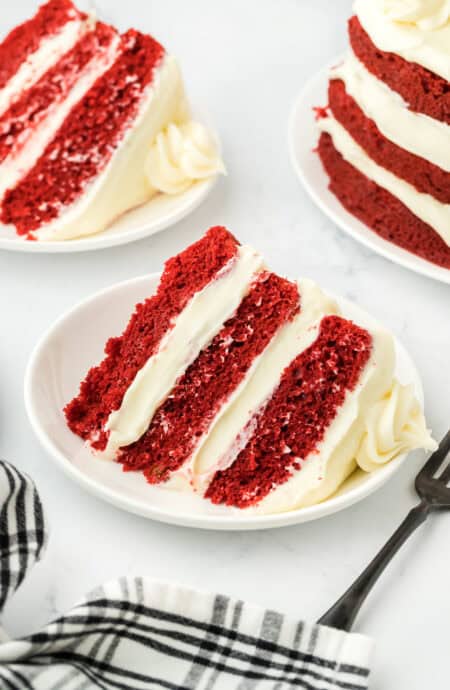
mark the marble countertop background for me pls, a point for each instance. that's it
(246, 61)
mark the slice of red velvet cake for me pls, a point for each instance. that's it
(385, 140)
(245, 387)
(87, 119)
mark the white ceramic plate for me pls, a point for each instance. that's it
(158, 214)
(303, 137)
(61, 360)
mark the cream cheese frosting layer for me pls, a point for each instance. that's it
(193, 330)
(50, 50)
(415, 132)
(16, 166)
(423, 37)
(123, 184)
(424, 206)
(233, 424)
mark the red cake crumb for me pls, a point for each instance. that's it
(87, 139)
(320, 112)
(309, 396)
(423, 175)
(187, 414)
(424, 91)
(380, 210)
(19, 120)
(105, 385)
(25, 38)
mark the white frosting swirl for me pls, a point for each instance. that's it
(180, 155)
(394, 425)
(425, 14)
(416, 30)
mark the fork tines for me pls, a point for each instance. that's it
(436, 459)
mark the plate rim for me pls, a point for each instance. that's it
(342, 218)
(200, 521)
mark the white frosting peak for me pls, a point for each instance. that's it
(180, 155)
(425, 14)
(394, 425)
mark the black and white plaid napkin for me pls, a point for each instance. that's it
(136, 633)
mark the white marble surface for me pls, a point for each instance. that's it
(246, 61)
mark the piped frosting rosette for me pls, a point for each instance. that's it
(393, 426)
(181, 155)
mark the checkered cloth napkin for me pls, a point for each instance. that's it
(136, 633)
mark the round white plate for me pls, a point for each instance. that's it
(303, 137)
(61, 360)
(159, 213)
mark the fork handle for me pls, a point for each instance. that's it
(345, 610)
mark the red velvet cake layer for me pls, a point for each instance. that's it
(379, 209)
(295, 420)
(423, 175)
(105, 385)
(87, 139)
(24, 115)
(24, 40)
(424, 91)
(207, 384)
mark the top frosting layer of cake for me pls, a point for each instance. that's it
(425, 14)
(243, 386)
(417, 30)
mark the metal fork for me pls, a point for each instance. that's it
(434, 495)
